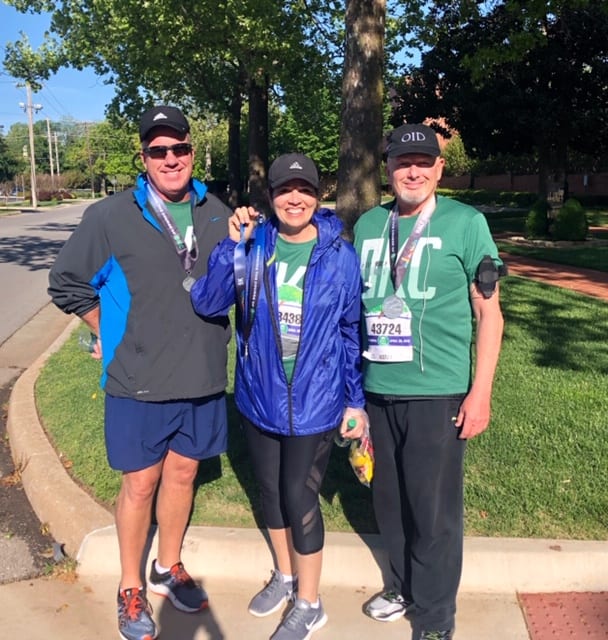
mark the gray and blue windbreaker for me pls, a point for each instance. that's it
(155, 347)
(326, 377)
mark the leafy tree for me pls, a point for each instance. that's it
(312, 128)
(25, 63)
(516, 77)
(9, 166)
(206, 56)
(241, 58)
(110, 151)
(210, 139)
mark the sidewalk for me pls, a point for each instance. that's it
(586, 281)
(233, 562)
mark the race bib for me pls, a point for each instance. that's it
(389, 339)
(290, 321)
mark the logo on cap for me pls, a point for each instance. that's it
(413, 136)
(160, 116)
(295, 165)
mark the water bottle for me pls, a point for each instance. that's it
(87, 340)
(346, 442)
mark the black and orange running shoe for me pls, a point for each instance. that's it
(177, 585)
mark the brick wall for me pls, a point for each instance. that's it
(595, 184)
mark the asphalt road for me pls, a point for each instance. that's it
(29, 242)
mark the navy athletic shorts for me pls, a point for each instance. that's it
(139, 434)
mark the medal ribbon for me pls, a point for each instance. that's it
(240, 272)
(248, 292)
(400, 263)
(187, 257)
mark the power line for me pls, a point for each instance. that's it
(63, 110)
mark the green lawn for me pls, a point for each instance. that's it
(540, 469)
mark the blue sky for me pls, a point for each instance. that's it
(80, 95)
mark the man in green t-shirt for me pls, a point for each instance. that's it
(428, 266)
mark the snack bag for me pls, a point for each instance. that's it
(361, 458)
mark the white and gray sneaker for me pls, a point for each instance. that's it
(387, 606)
(301, 621)
(272, 597)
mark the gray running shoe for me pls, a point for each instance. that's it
(135, 616)
(272, 597)
(301, 621)
(387, 606)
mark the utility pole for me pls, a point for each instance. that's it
(88, 140)
(48, 135)
(56, 155)
(30, 108)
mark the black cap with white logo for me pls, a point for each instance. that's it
(293, 166)
(412, 138)
(162, 116)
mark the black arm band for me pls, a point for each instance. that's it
(487, 276)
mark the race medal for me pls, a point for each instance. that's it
(188, 283)
(392, 307)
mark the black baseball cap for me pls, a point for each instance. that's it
(162, 116)
(412, 138)
(293, 166)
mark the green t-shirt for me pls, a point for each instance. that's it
(291, 262)
(436, 290)
(181, 212)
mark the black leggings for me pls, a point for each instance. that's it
(289, 471)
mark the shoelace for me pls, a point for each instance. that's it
(393, 596)
(132, 603)
(296, 617)
(435, 635)
(273, 584)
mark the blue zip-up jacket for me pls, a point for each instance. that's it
(155, 347)
(326, 377)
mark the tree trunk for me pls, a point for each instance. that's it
(361, 144)
(258, 141)
(235, 184)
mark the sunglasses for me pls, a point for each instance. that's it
(180, 149)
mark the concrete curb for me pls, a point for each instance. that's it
(491, 565)
(68, 510)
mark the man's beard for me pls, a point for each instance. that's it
(411, 199)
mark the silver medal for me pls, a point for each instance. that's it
(188, 283)
(392, 307)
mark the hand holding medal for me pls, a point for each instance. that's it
(244, 219)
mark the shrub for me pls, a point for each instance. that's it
(537, 221)
(45, 196)
(49, 195)
(570, 222)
